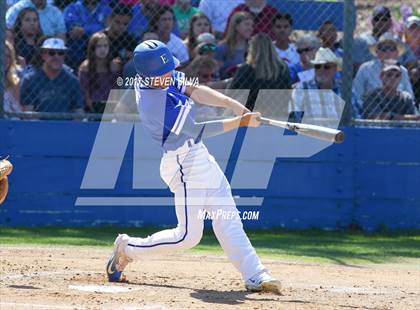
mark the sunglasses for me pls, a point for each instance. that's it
(304, 50)
(387, 48)
(55, 52)
(393, 74)
(326, 67)
(207, 48)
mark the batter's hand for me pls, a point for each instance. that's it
(251, 119)
(5, 169)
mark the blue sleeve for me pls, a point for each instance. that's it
(60, 24)
(203, 130)
(220, 52)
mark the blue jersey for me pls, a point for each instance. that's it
(167, 113)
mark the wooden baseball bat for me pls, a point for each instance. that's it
(313, 131)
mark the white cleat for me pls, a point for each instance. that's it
(263, 282)
(118, 260)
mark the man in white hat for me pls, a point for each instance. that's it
(323, 103)
(387, 102)
(51, 87)
(368, 76)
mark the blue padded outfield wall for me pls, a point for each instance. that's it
(370, 180)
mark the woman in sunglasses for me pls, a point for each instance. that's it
(368, 75)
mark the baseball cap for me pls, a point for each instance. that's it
(380, 11)
(390, 64)
(206, 37)
(412, 20)
(54, 44)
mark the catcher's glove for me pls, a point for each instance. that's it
(5, 169)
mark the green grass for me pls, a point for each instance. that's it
(343, 247)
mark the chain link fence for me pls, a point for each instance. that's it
(63, 58)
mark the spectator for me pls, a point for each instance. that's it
(320, 104)
(50, 87)
(98, 73)
(11, 91)
(27, 32)
(163, 23)
(387, 102)
(50, 17)
(231, 51)
(306, 46)
(328, 35)
(218, 13)
(204, 69)
(83, 18)
(262, 13)
(367, 78)
(122, 44)
(381, 23)
(263, 70)
(143, 15)
(199, 24)
(412, 35)
(184, 11)
(281, 30)
(414, 73)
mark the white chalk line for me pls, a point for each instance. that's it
(14, 276)
(39, 306)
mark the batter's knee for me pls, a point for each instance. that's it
(191, 240)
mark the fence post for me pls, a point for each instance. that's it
(349, 25)
(2, 42)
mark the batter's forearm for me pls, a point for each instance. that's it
(207, 96)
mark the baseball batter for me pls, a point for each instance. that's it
(192, 174)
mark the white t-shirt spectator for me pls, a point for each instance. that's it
(290, 56)
(178, 48)
(218, 11)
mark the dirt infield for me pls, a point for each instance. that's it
(54, 277)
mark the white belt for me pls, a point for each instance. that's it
(188, 144)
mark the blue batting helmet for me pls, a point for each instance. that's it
(153, 58)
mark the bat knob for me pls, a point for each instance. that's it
(339, 138)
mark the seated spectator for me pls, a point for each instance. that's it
(204, 68)
(122, 44)
(320, 104)
(306, 46)
(282, 30)
(412, 35)
(143, 14)
(367, 78)
(261, 12)
(328, 35)
(11, 92)
(163, 23)
(381, 23)
(184, 11)
(98, 73)
(83, 18)
(387, 102)
(263, 70)
(49, 87)
(414, 73)
(50, 17)
(27, 32)
(231, 51)
(129, 70)
(218, 13)
(199, 24)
